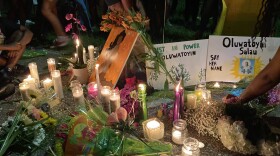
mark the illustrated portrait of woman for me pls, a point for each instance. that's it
(112, 51)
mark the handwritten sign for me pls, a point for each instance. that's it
(186, 58)
(232, 58)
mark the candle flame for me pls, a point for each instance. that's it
(96, 66)
(178, 87)
(47, 80)
(217, 85)
(29, 77)
(141, 86)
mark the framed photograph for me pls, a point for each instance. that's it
(114, 56)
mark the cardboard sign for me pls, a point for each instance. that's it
(232, 58)
(114, 56)
(187, 58)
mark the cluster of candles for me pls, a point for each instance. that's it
(33, 82)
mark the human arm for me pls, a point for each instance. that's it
(264, 81)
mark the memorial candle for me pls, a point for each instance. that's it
(47, 83)
(142, 99)
(77, 45)
(92, 90)
(78, 95)
(97, 79)
(105, 98)
(57, 83)
(115, 100)
(85, 55)
(31, 82)
(23, 88)
(91, 52)
(153, 129)
(34, 72)
(177, 102)
(51, 64)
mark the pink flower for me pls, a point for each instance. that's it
(83, 28)
(121, 113)
(69, 16)
(75, 36)
(68, 27)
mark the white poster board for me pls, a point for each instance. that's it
(232, 58)
(188, 57)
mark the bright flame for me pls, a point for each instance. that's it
(178, 87)
(96, 66)
(77, 42)
(47, 80)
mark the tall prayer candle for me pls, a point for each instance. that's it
(92, 90)
(78, 95)
(57, 83)
(51, 64)
(178, 102)
(47, 83)
(34, 72)
(31, 82)
(97, 79)
(142, 99)
(105, 98)
(115, 100)
(91, 52)
(85, 55)
(23, 88)
(77, 45)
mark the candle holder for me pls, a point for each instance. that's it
(75, 83)
(191, 101)
(179, 131)
(190, 147)
(142, 100)
(153, 129)
(23, 88)
(200, 91)
(78, 95)
(115, 100)
(92, 90)
(57, 83)
(105, 98)
(51, 64)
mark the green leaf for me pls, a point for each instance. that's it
(166, 85)
(79, 128)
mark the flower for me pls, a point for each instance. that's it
(75, 23)
(69, 16)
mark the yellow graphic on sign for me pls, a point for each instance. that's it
(246, 67)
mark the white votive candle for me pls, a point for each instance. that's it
(47, 83)
(51, 64)
(23, 88)
(57, 83)
(34, 72)
(31, 82)
(191, 101)
(153, 129)
(91, 52)
(105, 98)
(78, 95)
(115, 100)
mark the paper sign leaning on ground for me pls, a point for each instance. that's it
(232, 58)
(187, 58)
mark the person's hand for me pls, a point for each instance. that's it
(231, 99)
(12, 53)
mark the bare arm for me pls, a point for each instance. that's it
(264, 81)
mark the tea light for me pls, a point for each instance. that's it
(51, 64)
(234, 86)
(92, 90)
(85, 55)
(153, 129)
(47, 83)
(78, 95)
(190, 147)
(105, 98)
(23, 88)
(191, 101)
(31, 81)
(57, 83)
(34, 72)
(115, 100)
(216, 85)
(91, 52)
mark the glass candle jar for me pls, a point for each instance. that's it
(190, 147)
(200, 91)
(179, 131)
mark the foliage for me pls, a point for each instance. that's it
(74, 63)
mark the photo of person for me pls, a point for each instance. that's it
(247, 66)
(111, 53)
(114, 56)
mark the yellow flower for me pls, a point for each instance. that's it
(138, 17)
(129, 19)
(105, 17)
